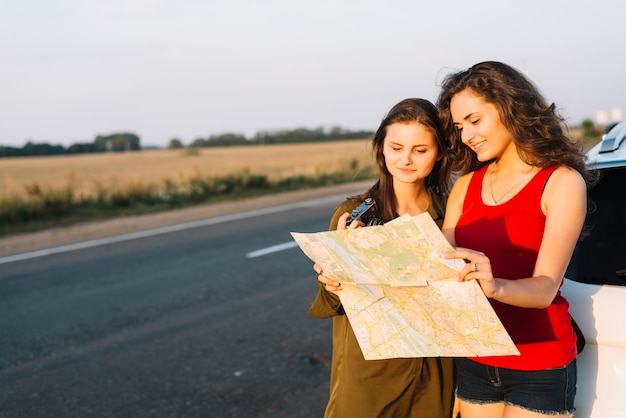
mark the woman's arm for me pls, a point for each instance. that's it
(564, 203)
(327, 303)
(454, 207)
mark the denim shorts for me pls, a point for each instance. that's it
(549, 391)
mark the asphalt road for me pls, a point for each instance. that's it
(187, 323)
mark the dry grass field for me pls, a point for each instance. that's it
(86, 173)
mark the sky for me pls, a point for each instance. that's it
(74, 69)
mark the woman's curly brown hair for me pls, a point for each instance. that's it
(535, 125)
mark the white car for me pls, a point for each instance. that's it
(595, 285)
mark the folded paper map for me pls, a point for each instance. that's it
(402, 298)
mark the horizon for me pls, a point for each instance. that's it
(161, 69)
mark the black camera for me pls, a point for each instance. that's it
(364, 213)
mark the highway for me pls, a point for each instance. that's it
(209, 319)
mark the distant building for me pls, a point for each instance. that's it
(607, 117)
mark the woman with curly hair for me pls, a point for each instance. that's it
(514, 215)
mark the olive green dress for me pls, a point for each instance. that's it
(402, 387)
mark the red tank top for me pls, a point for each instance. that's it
(510, 235)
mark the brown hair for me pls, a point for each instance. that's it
(535, 125)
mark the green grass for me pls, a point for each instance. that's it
(44, 208)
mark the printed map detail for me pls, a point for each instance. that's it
(402, 297)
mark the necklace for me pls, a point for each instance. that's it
(496, 201)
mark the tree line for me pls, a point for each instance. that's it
(121, 142)
(298, 135)
(118, 142)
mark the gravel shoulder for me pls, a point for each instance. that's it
(21, 243)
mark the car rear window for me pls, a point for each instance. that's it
(600, 257)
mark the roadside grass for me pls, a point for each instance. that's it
(40, 193)
(45, 207)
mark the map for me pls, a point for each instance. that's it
(402, 298)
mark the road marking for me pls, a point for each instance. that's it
(168, 229)
(272, 249)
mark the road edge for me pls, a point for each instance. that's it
(20, 243)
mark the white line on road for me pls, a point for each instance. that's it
(168, 229)
(272, 249)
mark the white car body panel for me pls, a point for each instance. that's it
(600, 311)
